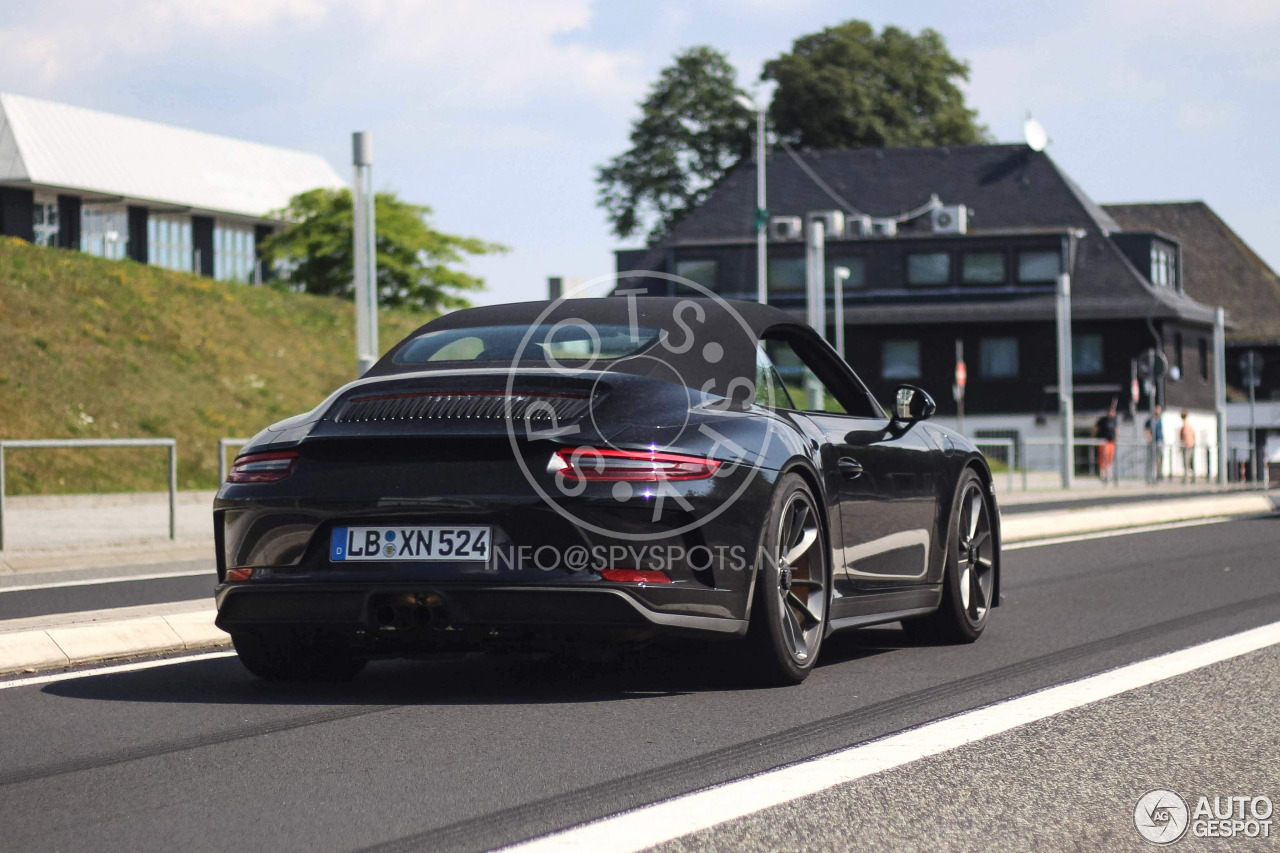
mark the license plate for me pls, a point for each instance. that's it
(383, 544)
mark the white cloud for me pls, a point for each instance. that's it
(485, 52)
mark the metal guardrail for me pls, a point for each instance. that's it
(170, 443)
(223, 444)
(1011, 459)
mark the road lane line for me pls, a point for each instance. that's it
(190, 573)
(111, 670)
(1124, 531)
(650, 825)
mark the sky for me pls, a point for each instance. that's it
(496, 113)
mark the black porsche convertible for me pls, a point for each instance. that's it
(603, 472)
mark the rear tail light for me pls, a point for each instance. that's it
(235, 575)
(593, 463)
(262, 467)
(634, 576)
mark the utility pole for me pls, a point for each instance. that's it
(1066, 400)
(815, 294)
(365, 255)
(1220, 388)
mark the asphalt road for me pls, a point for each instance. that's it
(473, 753)
(22, 603)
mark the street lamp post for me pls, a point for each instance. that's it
(365, 255)
(1066, 400)
(762, 215)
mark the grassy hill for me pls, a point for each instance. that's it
(91, 348)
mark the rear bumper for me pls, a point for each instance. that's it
(354, 607)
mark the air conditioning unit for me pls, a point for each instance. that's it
(786, 228)
(949, 219)
(832, 222)
(857, 227)
(884, 228)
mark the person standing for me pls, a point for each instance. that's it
(1155, 445)
(1188, 440)
(1105, 429)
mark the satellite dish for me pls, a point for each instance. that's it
(1033, 131)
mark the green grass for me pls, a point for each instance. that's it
(91, 348)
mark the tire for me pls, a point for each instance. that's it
(289, 655)
(968, 581)
(793, 590)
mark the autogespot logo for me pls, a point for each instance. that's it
(1161, 816)
(577, 349)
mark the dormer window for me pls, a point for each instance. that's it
(1164, 266)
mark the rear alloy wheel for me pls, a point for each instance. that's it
(969, 585)
(290, 655)
(789, 615)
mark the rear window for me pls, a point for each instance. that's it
(568, 342)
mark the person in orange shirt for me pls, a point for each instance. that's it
(1105, 429)
(1188, 439)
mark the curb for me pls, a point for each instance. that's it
(72, 645)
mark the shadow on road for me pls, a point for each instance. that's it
(470, 680)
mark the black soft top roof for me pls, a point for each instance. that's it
(690, 325)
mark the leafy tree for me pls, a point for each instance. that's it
(690, 132)
(847, 87)
(414, 260)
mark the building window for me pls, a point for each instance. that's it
(857, 268)
(169, 242)
(982, 268)
(46, 223)
(233, 252)
(928, 269)
(786, 276)
(900, 360)
(1163, 266)
(1039, 266)
(104, 232)
(1177, 354)
(1086, 355)
(999, 357)
(1204, 359)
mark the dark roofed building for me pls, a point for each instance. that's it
(983, 275)
(1220, 269)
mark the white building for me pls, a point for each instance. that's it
(120, 187)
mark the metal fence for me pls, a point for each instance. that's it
(223, 444)
(170, 443)
(1010, 456)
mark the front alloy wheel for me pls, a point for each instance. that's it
(968, 585)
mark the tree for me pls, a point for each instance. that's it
(690, 132)
(413, 259)
(846, 87)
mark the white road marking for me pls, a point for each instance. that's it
(1124, 531)
(189, 573)
(674, 818)
(111, 670)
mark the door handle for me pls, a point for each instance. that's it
(850, 468)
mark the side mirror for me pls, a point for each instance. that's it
(911, 404)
